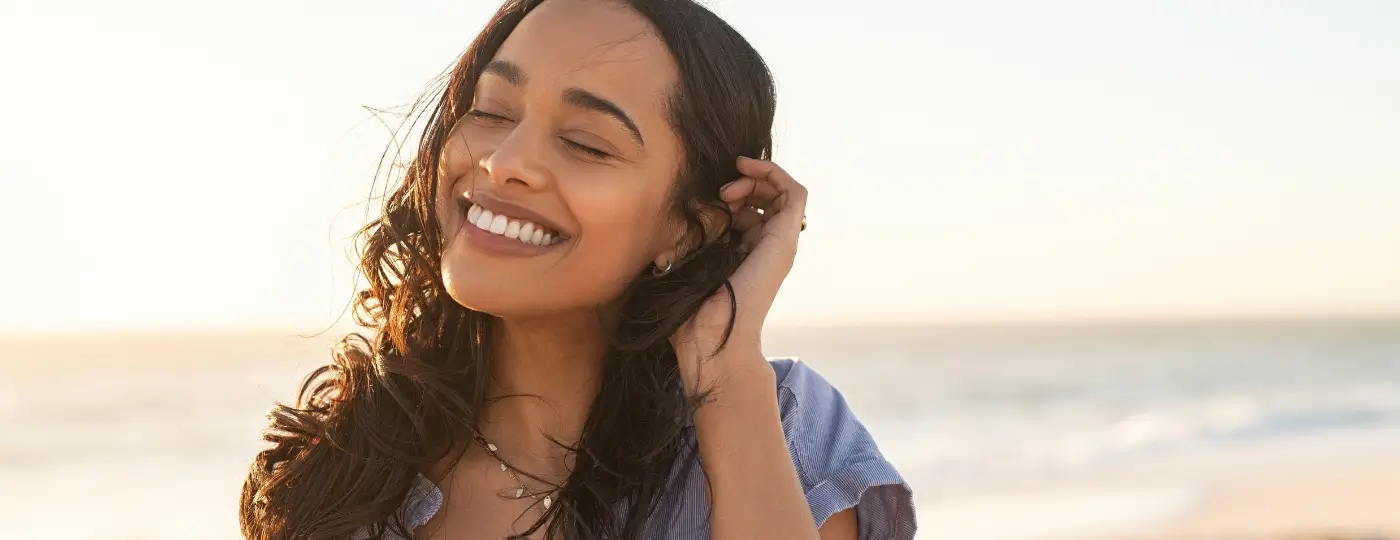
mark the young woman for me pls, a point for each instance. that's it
(567, 293)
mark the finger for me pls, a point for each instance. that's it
(792, 200)
(763, 193)
(761, 170)
(734, 194)
(737, 190)
(748, 191)
(746, 219)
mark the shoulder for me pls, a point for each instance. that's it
(423, 501)
(837, 459)
(822, 430)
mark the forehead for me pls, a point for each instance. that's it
(600, 46)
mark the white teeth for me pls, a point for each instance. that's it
(521, 230)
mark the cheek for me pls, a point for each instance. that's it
(619, 227)
(455, 159)
(456, 165)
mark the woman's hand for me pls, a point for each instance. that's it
(753, 481)
(768, 207)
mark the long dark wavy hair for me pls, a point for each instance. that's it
(344, 457)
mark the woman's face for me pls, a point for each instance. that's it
(554, 190)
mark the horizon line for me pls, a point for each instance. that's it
(1164, 320)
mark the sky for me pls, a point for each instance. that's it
(200, 165)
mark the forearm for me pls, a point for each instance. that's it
(754, 489)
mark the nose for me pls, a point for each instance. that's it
(518, 159)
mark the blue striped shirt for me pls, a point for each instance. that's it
(836, 459)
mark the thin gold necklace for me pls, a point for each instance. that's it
(520, 491)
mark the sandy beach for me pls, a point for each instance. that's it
(1352, 498)
(1340, 486)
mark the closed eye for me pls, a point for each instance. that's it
(572, 145)
(483, 115)
(588, 150)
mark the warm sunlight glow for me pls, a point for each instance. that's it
(176, 164)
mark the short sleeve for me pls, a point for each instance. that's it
(837, 460)
(422, 503)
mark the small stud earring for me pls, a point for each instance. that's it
(662, 271)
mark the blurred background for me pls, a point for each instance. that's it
(1087, 269)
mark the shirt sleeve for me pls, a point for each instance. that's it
(837, 460)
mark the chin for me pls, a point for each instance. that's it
(481, 289)
(508, 289)
(500, 290)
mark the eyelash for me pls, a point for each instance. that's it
(586, 150)
(589, 150)
(474, 113)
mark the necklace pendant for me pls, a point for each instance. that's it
(520, 492)
(503, 467)
(547, 502)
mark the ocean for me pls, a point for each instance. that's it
(127, 437)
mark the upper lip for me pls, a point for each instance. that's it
(500, 207)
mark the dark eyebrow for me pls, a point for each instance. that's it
(584, 99)
(506, 70)
(575, 97)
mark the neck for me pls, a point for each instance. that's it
(546, 372)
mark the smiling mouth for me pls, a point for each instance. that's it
(520, 230)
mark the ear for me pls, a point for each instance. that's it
(682, 242)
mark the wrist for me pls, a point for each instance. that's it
(741, 373)
(735, 368)
(703, 345)
(743, 393)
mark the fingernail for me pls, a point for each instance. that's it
(726, 186)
